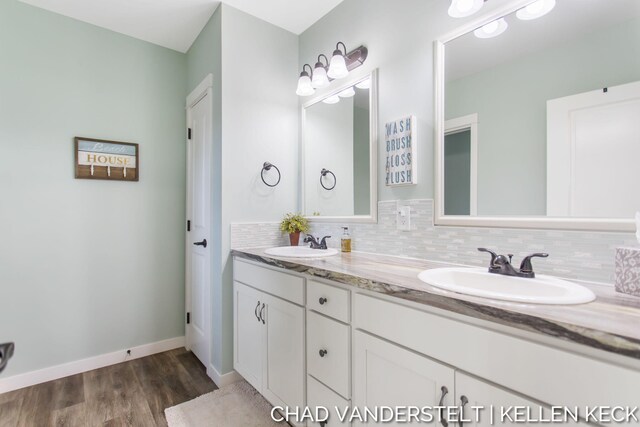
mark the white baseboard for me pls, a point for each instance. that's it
(60, 371)
(223, 380)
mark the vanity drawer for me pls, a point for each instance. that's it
(285, 286)
(319, 395)
(332, 368)
(329, 300)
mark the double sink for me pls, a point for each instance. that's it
(478, 281)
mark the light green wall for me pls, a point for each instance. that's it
(510, 100)
(204, 58)
(255, 120)
(399, 36)
(87, 267)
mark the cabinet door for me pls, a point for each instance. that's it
(385, 374)
(495, 406)
(283, 372)
(248, 334)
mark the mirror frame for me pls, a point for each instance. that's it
(531, 222)
(373, 149)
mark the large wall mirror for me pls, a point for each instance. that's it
(339, 138)
(539, 119)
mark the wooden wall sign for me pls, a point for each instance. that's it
(400, 142)
(111, 160)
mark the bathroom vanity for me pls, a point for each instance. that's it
(362, 330)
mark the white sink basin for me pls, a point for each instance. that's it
(300, 252)
(479, 282)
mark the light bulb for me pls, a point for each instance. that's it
(333, 99)
(536, 9)
(338, 66)
(463, 8)
(319, 77)
(304, 85)
(347, 93)
(365, 84)
(492, 29)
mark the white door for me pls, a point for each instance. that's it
(283, 375)
(249, 325)
(385, 374)
(593, 147)
(198, 240)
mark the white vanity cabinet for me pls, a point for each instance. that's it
(365, 349)
(269, 335)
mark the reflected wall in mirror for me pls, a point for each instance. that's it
(542, 120)
(338, 137)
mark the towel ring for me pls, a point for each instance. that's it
(267, 167)
(324, 173)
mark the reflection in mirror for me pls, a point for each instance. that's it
(543, 119)
(337, 153)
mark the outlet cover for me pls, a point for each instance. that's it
(403, 218)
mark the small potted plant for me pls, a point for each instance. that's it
(293, 224)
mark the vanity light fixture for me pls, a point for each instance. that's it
(536, 9)
(304, 82)
(464, 8)
(492, 29)
(338, 65)
(347, 93)
(324, 71)
(334, 99)
(320, 78)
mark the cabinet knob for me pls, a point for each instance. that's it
(322, 300)
(323, 424)
(323, 353)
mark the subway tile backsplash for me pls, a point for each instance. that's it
(582, 255)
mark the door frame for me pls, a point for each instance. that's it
(204, 89)
(460, 124)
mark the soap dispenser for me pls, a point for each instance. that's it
(345, 242)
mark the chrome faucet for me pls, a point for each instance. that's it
(501, 264)
(314, 242)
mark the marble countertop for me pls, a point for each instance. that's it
(610, 323)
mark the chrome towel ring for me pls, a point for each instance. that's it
(267, 167)
(323, 173)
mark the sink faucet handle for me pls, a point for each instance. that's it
(323, 242)
(494, 255)
(525, 265)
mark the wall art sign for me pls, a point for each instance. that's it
(110, 160)
(400, 143)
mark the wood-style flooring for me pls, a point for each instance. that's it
(133, 393)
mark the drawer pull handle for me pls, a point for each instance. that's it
(463, 402)
(323, 353)
(445, 391)
(322, 300)
(256, 311)
(261, 313)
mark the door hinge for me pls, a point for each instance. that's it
(188, 225)
(188, 318)
(189, 133)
